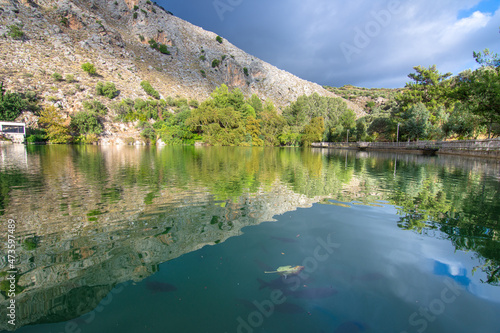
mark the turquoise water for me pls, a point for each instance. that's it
(127, 239)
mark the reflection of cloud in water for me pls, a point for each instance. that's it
(454, 271)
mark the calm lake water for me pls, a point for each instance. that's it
(178, 239)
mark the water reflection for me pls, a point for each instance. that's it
(92, 217)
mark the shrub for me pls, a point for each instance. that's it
(136, 7)
(245, 71)
(148, 2)
(107, 89)
(141, 38)
(203, 73)
(30, 244)
(34, 138)
(89, 68)
(203, 58)
(150, 90)
(215, 63)
(86, 122)
(70, 78)
(12, 104)
(95, 106)
(145, 12)
(57, 77)
(135, 15)
(194, 103)
(163, 49)
(15, 32)
(219, 39)
(153, 43)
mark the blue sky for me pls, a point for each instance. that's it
(367, 43)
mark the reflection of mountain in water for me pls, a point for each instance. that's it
(109, 216)
(92, 217)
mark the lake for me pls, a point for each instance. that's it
(190, 239)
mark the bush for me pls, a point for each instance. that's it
(153, 43)
(219, 39)
(150, 90)
(15, 32)
(136, 8)
(135, 15)
(163, 49)
(86, 122)
(147, 132)
(215, 63)
(89, 68)
(203, 73)
(245, 71)
(34, 138)
(57, 77)
(194, 103)
(95, 107)
(203, 58)
(70, 78)
(107, 89)
(141, 38)
(12, 104)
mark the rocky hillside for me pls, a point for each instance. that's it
(52, 36)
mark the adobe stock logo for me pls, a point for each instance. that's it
(425, 315)
(372, 29)
(223, 6)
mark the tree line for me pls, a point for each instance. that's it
(437, 106)
(433, 106)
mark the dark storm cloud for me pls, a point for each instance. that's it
(360, 42)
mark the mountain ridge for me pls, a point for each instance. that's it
(116, 36)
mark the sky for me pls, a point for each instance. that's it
(365, 43)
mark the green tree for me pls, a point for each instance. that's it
(12, 103)
(429, 87)
(487, 58)
(54, 124)
(272, 125)
(253, 128)
(313, 132)
(480, 91)
(416, 122)
(256, 103)
(462, 122)
(86, 122)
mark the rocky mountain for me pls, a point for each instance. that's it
(53, 36)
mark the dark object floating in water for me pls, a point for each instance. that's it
(160, 287)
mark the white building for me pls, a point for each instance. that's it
(13, 131)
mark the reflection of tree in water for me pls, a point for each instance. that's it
(468, 212)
